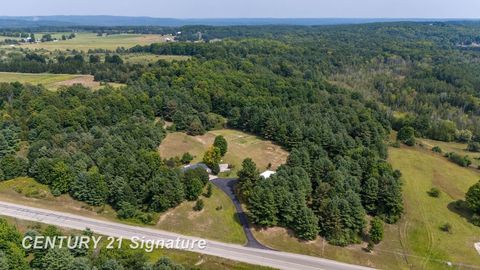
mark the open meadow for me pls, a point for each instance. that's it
(240, 146)
(85, 41)
(416, 242)
(52, 81)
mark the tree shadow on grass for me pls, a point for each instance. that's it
(460, 208)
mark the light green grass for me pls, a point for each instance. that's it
(137, 58)
(241, 145)
(217, 221)
(85, 41)
(459, 148)
(416, 242)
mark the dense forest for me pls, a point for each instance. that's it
(330, 95)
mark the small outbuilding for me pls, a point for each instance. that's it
(266, 174)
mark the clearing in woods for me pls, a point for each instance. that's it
(416, 242)
(52, 81)
(241, 145)
(85, 41)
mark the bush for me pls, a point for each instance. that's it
(199, 205)
(434, 192)
(447, 227)
(186, 158)
(209, 192)
(459, 160)
(407, 135)
(475, 220)
(395, 144)
(437, 149)
(473, 147)
(376, 230)
(215, 169)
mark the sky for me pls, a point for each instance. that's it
(248, 8)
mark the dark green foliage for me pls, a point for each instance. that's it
(434, 192)
(186, 158)
(407, 136)
(199, 204)
(90, 187)
(437, 149)
(222, 144)
(247, 178)
(473, 147)
(473, 198)
(464, 161)
(194, 181)
(375, 233)
(13, 166)
(209, 192)
(12, 253)
(58, 259)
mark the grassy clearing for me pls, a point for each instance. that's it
(240, 146)
(52, 81)
(140, 58)
(203, 262)
(459, 148)
(416, 242)
(85, 41)
(216, 221)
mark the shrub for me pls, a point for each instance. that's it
(215, 169)
(186, 158)
(434, 192)
(209, 192)
(447, 227)
(437, 149)
(406, 135)
(376, 230)
(473, 147)
(199, 205)
(459, 160)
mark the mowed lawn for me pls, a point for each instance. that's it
(85, 41)
(241, 145)
(52, 81)
(217, 220)
(416, 242)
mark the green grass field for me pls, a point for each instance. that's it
(416, 242)
(240, 146)
(52, 81)
(216, 221)
(85, 41)
(459, 148)
(141, 58)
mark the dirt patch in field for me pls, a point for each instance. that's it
(85, 80)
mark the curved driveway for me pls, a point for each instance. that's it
(228, 186)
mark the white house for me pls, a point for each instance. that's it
(266, 174)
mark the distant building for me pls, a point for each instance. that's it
(266, 174)
(195, 166)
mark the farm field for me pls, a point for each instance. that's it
(201, 261)
(85, 41)
(137, 58)
(240, 146)
(416, 242)
(52, 81)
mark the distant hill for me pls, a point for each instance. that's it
(31, 21)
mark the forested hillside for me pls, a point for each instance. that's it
(329, 95)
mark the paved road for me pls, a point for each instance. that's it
(228, 186)
(275, 259)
